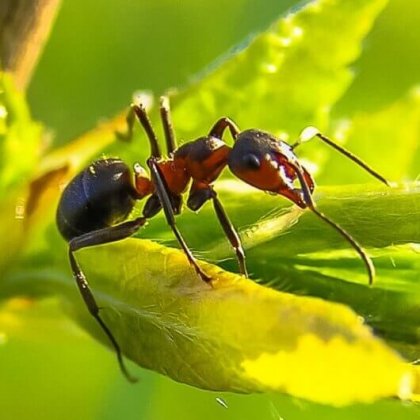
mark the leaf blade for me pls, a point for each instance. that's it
(221, 338)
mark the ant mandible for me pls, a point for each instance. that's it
(95, 205)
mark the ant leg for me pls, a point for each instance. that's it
(101, 236)
(141, 113)
(230, 232)
(311, 204)
(200, 194)
(165, 115)
(220, 126)
(311, 132)
(162, 192)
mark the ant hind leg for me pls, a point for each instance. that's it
(101, 236)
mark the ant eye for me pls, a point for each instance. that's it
(251, 161)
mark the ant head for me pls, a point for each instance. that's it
(267, 163)
(142, 183)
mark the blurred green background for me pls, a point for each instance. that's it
(98, 55)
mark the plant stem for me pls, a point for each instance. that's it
(24, 28)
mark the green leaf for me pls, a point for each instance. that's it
(160, 311)
(292, 250)
(167, 320)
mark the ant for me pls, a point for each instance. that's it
(95, 205)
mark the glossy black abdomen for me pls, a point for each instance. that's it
(99, 196)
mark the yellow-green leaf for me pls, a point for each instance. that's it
(237, 335)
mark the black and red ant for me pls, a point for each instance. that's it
(95, 205)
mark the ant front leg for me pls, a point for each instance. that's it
(198, 196)
(162, 192)
(230, 232)
(309, 202)
(98, 237)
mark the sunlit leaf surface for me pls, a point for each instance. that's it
(237, 335)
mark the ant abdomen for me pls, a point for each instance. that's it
(99, 196)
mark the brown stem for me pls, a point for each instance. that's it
(24, 28)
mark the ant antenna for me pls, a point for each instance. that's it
(311, 204)
(310, 132)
